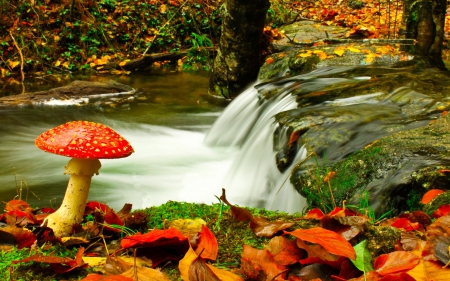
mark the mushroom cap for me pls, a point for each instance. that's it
(86, 140)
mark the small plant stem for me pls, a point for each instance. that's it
(21, 57)
(167, 22)
(331, 194)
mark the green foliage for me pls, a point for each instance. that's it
(363, 260)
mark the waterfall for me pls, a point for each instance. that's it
(253, 178)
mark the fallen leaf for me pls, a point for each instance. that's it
(256, 263)
(264, 228)
(16, 204)
(395, 262)
(284, 251)
(430, 195)
(443, 210)
(315, 213)
(331, 241)
(238, 213)
(363, 259)
(58, 264)
(207, 246)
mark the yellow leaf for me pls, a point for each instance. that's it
(66, 64)
(339, 51)
(304, 55)
(57, 63)
(56, 38)
(4, 72)
(92, 64)
(163, 8)
(322, 55)
(122, 63)
(370, 58)
(13, 64)
(353, 49)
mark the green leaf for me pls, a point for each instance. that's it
(363, 260)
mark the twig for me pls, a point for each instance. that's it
(167, 22)
(21, 56)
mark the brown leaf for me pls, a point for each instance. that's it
(145, 274)
(284, 251)
(22, 236)
(315, 213)
(331, 241)
(260, 265)
(59, 265)
(240, 214)
(264, 228)
(199, 271)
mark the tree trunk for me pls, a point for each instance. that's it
(239, 54)
(425, 22)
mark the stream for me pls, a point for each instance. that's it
(188, 150)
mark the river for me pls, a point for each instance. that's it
(166, 122)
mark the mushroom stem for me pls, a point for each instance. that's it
(71, 211)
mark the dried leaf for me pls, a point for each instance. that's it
(284, 251)
(430, 195)
(443, 210)
(207, 246)
(240, 214)
(16, 205)
(331, 241)
(59, 265)
(256, 263)
(264, 228)
(395, 262)
(315, 213)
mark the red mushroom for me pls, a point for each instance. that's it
(85, 142)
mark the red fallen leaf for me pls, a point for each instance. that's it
(402, 276)
(59, 265)
(207, 246)
(430, 195)
(47, 210)
(154, 238)
(395, 262)
(443, 210)
(284, 251)
(22, 236)
(444, 171)
(256, 263)
(337, 211)
(405, 224)
(158, 245)
(99, 277)
(315, 213)
(294, 137)
(348, 270)
(21, 218)
(16, 205)
(445, 112)
(264, 228)
(110, 216)
(331, 241)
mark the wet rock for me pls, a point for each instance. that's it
(75, 90)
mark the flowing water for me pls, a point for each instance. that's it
(179, 153)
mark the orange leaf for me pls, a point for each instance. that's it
(16, 205)
(256, 263)
(429, 271)
(207, 246)
(395, 262)
(430, 195)
(294, 137)
(315, 213)
(284, 251)
(331, 241)
(329, 176)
